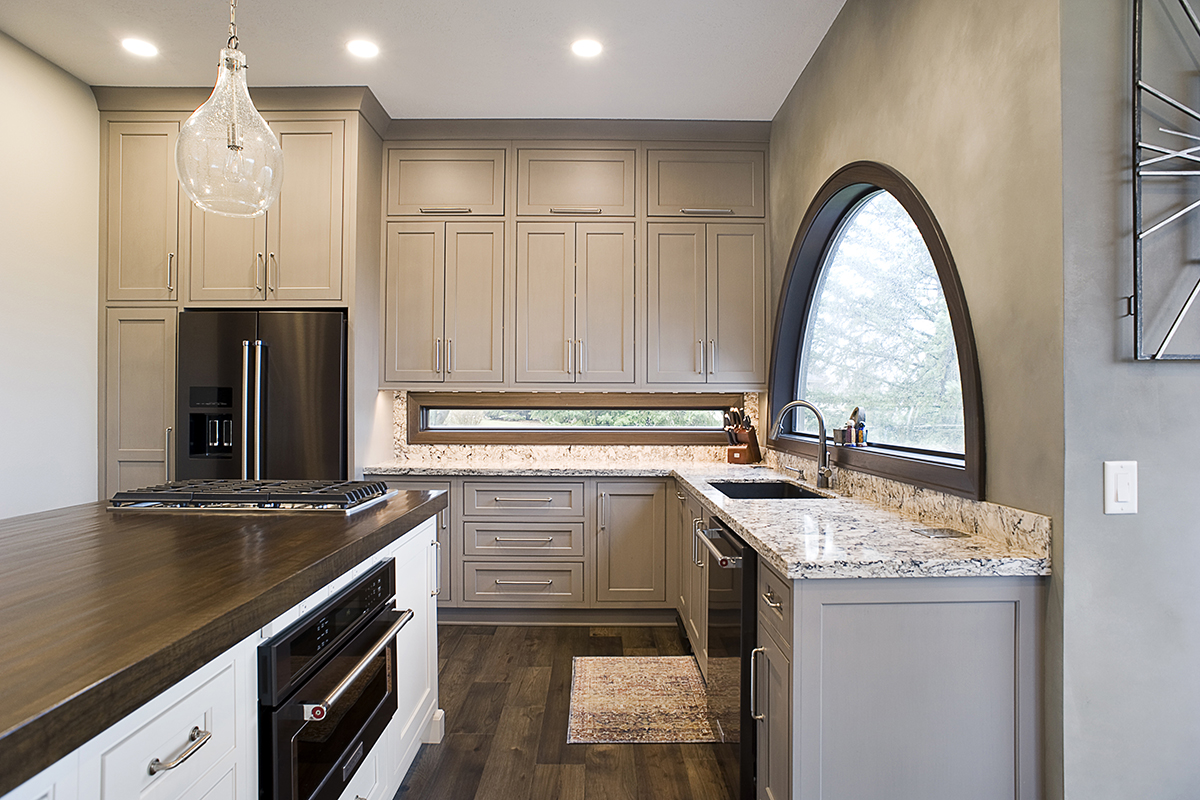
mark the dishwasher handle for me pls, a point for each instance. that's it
(720, 559)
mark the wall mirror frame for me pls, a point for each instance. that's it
(959, 474)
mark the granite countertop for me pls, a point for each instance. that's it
(836, 537)
(101, 611)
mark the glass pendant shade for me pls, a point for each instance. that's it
(228, 159)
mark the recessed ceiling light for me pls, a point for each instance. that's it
(362, 48)
(586, 48)
(139, 48)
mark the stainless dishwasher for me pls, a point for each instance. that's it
(732, 625)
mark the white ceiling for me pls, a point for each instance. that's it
(455, 59)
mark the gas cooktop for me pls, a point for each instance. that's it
(344, 497)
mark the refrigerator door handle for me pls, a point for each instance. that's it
(259, 357)
(245, 409)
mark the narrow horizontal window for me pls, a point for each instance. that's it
(552, 418)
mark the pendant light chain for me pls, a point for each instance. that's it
(233, 40)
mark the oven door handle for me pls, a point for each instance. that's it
(320, 710)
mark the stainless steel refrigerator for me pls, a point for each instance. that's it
(261, 395)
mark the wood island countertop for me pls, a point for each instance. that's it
(101, 611)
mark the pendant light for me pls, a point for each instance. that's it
(228, 159)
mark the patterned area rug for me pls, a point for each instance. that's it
(629, 699)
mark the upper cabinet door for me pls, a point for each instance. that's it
(604, 302)
(737, 325)
(546, 302)
(439, 182)
(474, 301)
(677, 335)
(414, 298)
(575, 182)
(227, 257)
(142, 224)
(305, 226)
(705, 183)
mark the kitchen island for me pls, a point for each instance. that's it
(102, 610)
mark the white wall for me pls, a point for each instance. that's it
(49, 206)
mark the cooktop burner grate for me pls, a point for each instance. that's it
(235, 495)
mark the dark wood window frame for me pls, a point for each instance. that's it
(844, 190)
(419, 404)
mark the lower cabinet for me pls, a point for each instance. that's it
(447, 587)
(771, 687)
(139, 397)
(692, 559)
(631, 542)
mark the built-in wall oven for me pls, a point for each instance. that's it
(732, 631)
(327, 690)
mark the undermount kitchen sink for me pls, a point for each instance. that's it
(765, 490)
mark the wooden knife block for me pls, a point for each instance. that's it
(746, 450)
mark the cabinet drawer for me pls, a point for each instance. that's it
(527, 539)
(575, 182)
(125, 766)
(438, 182)
(727, 183)
(523, 584)
(775, 603)
(523, 500)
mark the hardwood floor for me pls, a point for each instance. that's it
(506, 693)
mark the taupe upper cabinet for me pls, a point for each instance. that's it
(142, 223)
(575, 302)
(443, 302)
(294, 252)
(575, 182)
(705, 183)
(438, 182)
(139, 389)
(707, 303)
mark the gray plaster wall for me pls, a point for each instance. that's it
(964, 98)
(1131, 633)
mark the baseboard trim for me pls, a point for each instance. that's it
(628, 617)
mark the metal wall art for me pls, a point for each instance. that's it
(1166, 180)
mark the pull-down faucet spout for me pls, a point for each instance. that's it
(824, 472)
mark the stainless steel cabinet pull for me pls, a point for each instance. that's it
(769, 599)
(679, 495)
(446, 210)
(274, 261)
(695, 535)
(320, 710)
(513, 540)
(523, 583)
(437, 568)
(437, 355)
(449, 356)
(442, 516)
(754, 712)
(170, 272)
(262, 270)
(499, 499)
(167, 453)
(700, 350)
(198, 739)
(712, 356)
(579, 357)
(575, 211)
(706, 211)
(600, 512)
(570, 361)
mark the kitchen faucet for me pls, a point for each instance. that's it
(824, 472)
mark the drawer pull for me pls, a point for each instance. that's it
(523, 583)
(575, 211)
(513, 539)
(706, 211)
(523, 499)
(446, 210)
(769, 599)
(198, 739)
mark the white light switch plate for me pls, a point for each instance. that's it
(1120, 487)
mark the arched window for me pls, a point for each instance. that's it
(872, 316)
